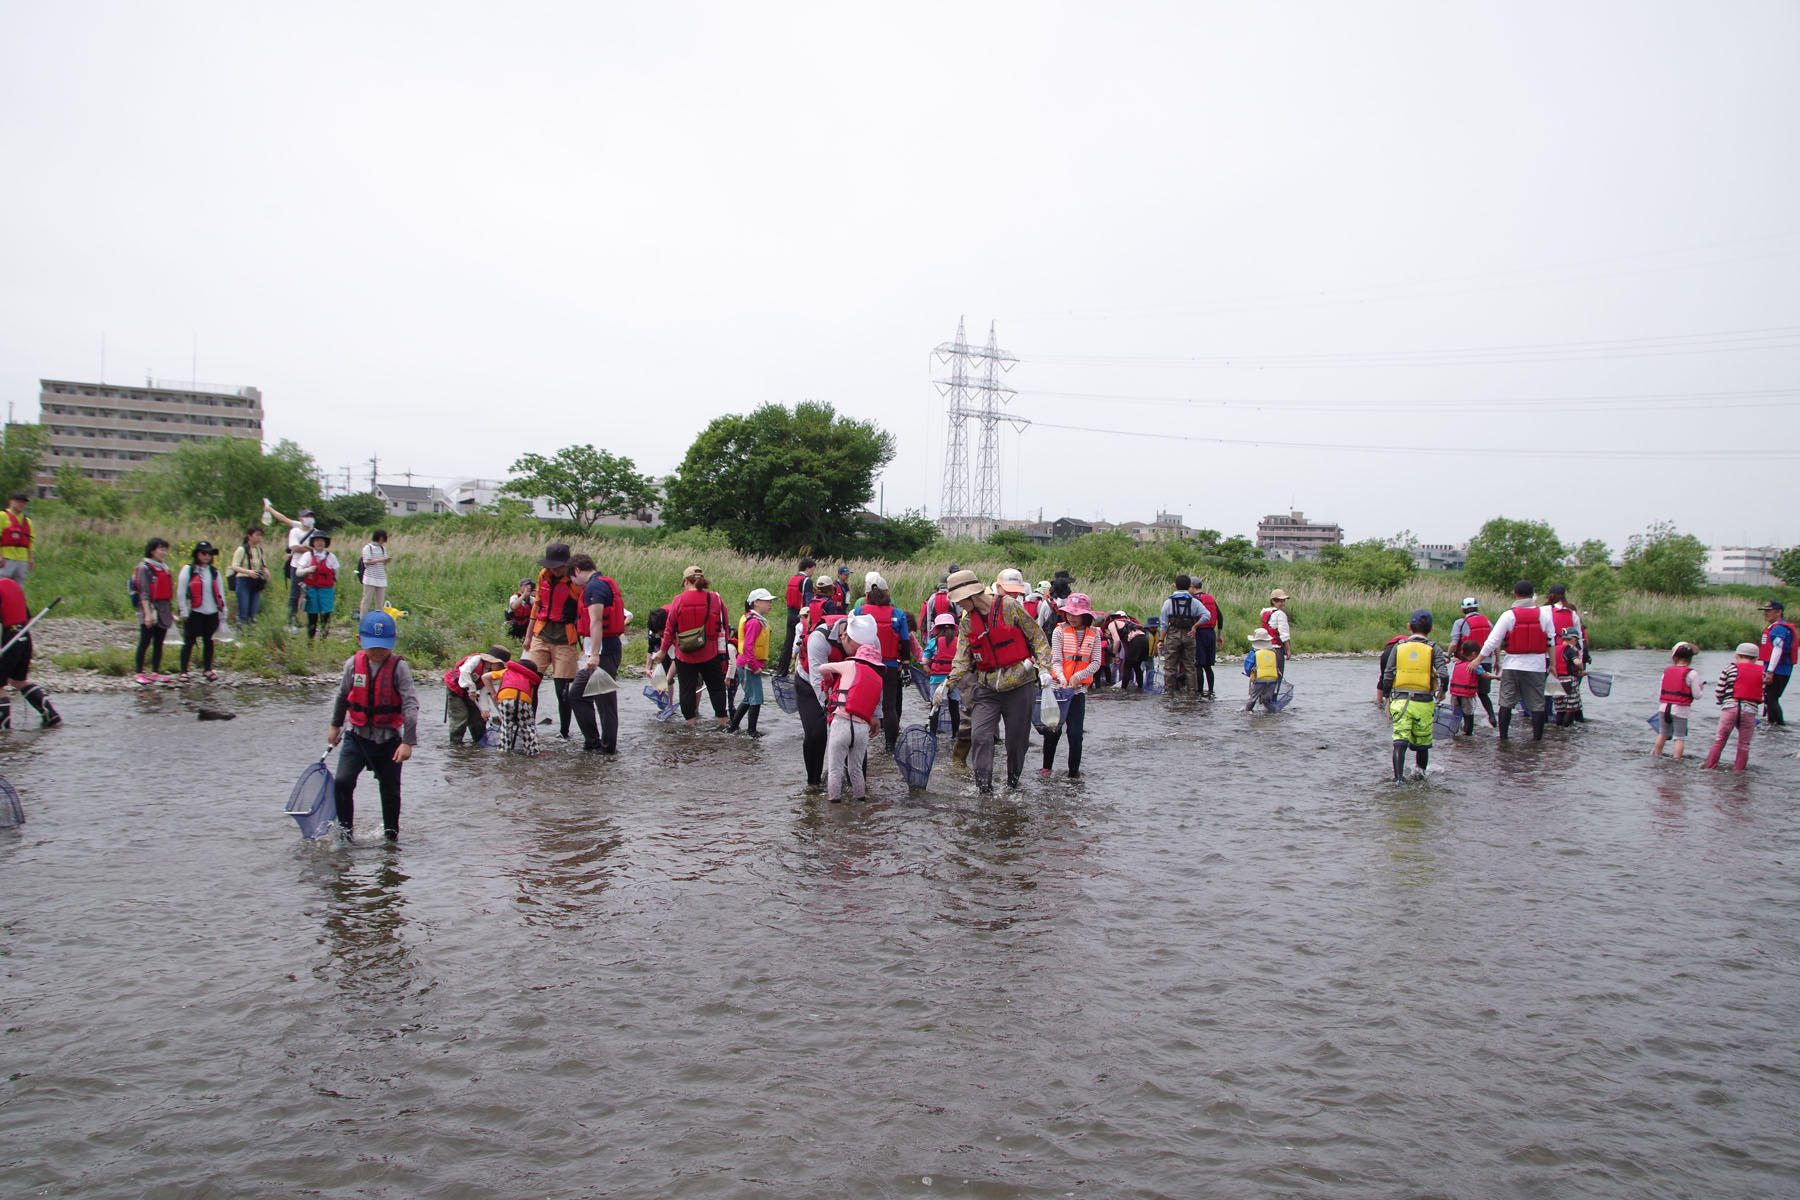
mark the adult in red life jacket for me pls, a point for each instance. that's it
(317, 572)
(1776, 652)
(154, 589)
(1524, 637)
(1075, 647)
(696, 639)
(378, 703)
(799, 595)
(15, 664)
(1001, 654)
(553, 639)
(855, 687)
(1740, 693)
(518, 608)
(1206, 636)
(843, 585)
(822, 644)
(894, 637)
(16, 536)
(1473, 627)
(604, 615)
(466, 682)
(1275, 619)
(200, 602)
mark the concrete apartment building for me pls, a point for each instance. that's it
(1293, 537)
(110, 430)
(1742, 564)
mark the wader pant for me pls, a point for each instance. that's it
(787, 646)
(986, 710)
(812, 731)
(355, 753)
(1178, 651)
(465, 718)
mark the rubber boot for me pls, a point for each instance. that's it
(1399, 762)
(1422, 756)
(1537, 727)
(34, 696)
(563, 712)
(1469, 724)
(5, 714)
(750, 723)
(1506, 715)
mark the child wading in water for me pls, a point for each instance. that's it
(1740, 694)
(1680, 688)
(855, 690)
(1468, 681)
(378, 701)
(1264, 670)
(940, 652)
(752, 659)
(515, 697)
(1412, 679)
(1568, 676)
(1074, 660)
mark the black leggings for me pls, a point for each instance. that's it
(712, 673)
(1072, 726)
(812, 726)
(1773, 686)
(150, 637)
(317, 623)
(893, 689)
(198, 627)
(1206, 652)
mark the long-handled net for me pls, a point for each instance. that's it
(1153, 684)
(915, 752)
(11, 811)
(313, 802)
(783, 687)
(1284, 695)
(1447, 721)
(1600, 682)
(665, 703)
(921, 680)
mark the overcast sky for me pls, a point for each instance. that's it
(448, 234)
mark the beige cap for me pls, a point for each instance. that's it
(1747, 650)
(1011, 580)
(962, 585)
(1278, 594)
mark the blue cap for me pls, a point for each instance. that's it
(377, 631)
(1421, 619)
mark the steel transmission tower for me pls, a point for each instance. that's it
(971, 505)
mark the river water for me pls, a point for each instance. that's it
(1231, 961)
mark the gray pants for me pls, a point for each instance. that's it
(846, 745)
(986, 710)
(1523, 687)
(14, 569)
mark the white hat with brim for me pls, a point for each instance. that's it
(862, 629)
(600, 684)
(760, 594)
(1261, 637)
(1011, 580)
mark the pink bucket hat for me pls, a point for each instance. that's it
(869, 654)
(1076, 606)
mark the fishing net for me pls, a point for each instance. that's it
(1063, 696)
(914, 753)
(11, 811)
(1656, 720)
(1600, 682)
(665, 703)
(783, 686)
(1153, 684)
(1447, 721)
(921, 680)
(1284, 695)
(313, 802)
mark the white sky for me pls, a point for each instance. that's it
(451, 233)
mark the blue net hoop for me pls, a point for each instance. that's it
(783, 687)
(11, 811)
(313, 802)
(914, 754)
(921, 680)
(1447, 721)
(1600, 682)
(1284, 695)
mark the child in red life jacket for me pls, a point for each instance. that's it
(855, 689)
(1740, 693)
(1467, 678)
(15, 664)
(940, 652)
(1568, 676)
(515, 697)
(467, 688)
(1675, 699)
(376, 699)
(318, 570)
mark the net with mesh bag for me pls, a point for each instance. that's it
(11, 811)
(1600, 682)
(915, 752)
(1447, 721)
(783, 687)
(313, 802)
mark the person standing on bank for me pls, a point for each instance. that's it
(375, 559)
(376, 697)
(317, 572)
(695, 638)
(1002, 653)
(799, 595)
(1528, 634)
(16, 535)
(553, 640)
(200, 601)
(299, 537)
(249, 574)
(1776, 654)
(604, 602)
(1275, 620)
(156, 593)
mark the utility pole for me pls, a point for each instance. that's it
(374, 469)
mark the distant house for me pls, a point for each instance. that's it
(1064, 528)
(402, 499)
(1293, 537)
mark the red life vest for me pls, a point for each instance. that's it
(945, 654)
(836, 655)
(453, 677)
(583, 623)
(1767, 647)
(322, 575)
(884, 630)
(1210, 618)
(995, 643)
(935, 604)
(1079, 652)
(1463, 681)
(1275, 634)
(15, 531)
(796, 592)
(162, 584)
(1675, 686)
(1527, 636)
(373, 698)
(1562, 618)
(1031, 606)
(554, 600)
(612, 617)
(197, 590)
(857, 696)
(13, 609)
(1479, 628)
(1749, 683)
(522, 677)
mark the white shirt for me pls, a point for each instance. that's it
(375, 561)
(297, 535)
(1278, 622)
(1538, 663)
(208, 603)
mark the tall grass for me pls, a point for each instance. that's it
(452, 577)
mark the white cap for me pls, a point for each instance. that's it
(760, 594)
(1012, 581)
(874, 580)
(862, 630)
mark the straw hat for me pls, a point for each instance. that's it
(962, 585)
(498, 655)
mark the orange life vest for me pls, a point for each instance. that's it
(554, 599)
(1079, 651)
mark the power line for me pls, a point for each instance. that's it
(1762, 398)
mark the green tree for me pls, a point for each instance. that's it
(779, 482)
(1786, 566)
(585, 483)
(1505, 552)
(1663, 559)
(359, 510)
(86, 497)
(1592, 552)
(20, 457)
(1598, 588)
(1371, 565)
(226, 479)
(1234, 555)
(1009, 540)
(897, 537)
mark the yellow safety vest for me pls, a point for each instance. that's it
(1412, 666)
(760, 651)
(1266, 671)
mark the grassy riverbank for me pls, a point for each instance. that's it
(452, 578)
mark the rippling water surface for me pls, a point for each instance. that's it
(1231, 961)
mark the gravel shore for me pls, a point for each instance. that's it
(52, 636)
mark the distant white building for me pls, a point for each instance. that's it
(1741, 564)
(1440, 556)
(402, 499)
